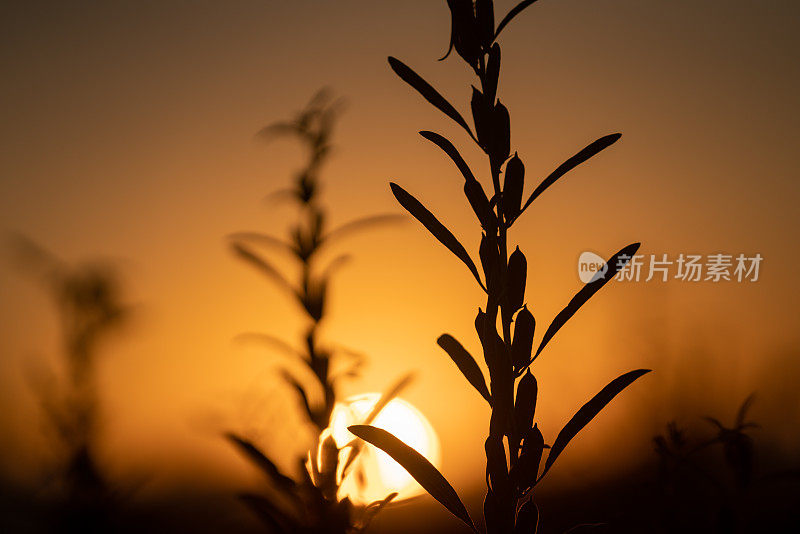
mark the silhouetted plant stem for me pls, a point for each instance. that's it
(515, 446)
(89, 306)
(315, 505)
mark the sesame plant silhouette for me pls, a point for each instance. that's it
(89, 305)
(710, 482)
(313, 503)
(676, 452)
(515, 447)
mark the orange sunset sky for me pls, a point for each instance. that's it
(128, 133)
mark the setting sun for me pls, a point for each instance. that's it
(383, 475)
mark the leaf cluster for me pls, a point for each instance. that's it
(311, 504)
(517, 457)
(678, 453)
(90, 307)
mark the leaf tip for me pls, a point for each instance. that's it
(633, 247)
(357, 430)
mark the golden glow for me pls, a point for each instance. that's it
(383, 475)
(128, 134)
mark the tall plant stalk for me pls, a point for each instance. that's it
(313, 503)
(89, 304)
(515, 446)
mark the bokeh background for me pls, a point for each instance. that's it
(128, 134)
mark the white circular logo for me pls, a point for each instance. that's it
(591, 267)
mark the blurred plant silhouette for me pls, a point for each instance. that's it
(313, 503)
(699, 489)
(89, 304)
(515, 446)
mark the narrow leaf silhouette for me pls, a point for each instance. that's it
(716, 422)
(383, 502)
(571, 163)
(418, 467)
(268, 133)
(301, 392)
(272, 341)
(466, 364)
(387, 396)
(259, 458)
(263, 265)
(741, 415)
(588, 412)
(428, 92)
(439, 231)
(511, 14)
(281, 195)
(480, 205)
(451, 151)
(360, 224)
(472, 188)
(373, 509)
(335, 264)
(264, 239)
(615, 264)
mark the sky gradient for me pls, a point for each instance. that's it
(128, 134)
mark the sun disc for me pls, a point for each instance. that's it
(382, 475)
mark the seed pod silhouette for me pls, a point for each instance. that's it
(328, 462)
(522, 345)
(525, 404)
(513, 186)
(516, 276)
(527, 469)
(484, 19)
(464, 31)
